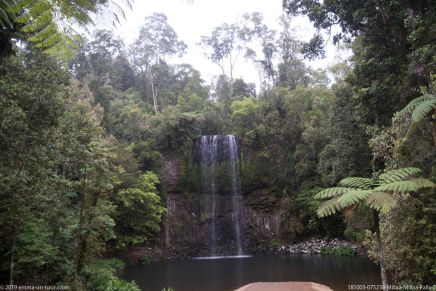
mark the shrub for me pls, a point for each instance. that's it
(144, 260)
(100, 276)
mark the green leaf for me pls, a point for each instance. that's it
(423, 109)
(399, 187)
(423, 183)
(329, 207)
(357, 182)
(415, 102)
(331, 192)
(381, 201)
(6, 13)
(353, 197)
(398, 175)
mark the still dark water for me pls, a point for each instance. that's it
(231, 273)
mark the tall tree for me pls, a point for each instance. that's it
(394, 42)
(224, 47)
(30, 103)
(156, 43)
(253, 30)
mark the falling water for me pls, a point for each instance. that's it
(213, 149)
(209, 147)
(236, 189)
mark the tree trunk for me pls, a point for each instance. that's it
(13, 248)
(154, 93)
(380, 250)
(80, 242)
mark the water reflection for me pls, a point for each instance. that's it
(221, 257)
(230, 273)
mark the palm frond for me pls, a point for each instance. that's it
(353, 197)
(357, 182)
(399, 187)
(331, 192)
(328, 208)
(380, 201)
(398, 175)
(414, 103)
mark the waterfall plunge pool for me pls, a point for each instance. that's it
(225, 274)
(222, 257)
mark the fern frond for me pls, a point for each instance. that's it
(20, 5)
(399, 187)
(46, 18)
(44, 34)
(85, 4)
(4, 18)
(23, 18)
(37, 20)
(6, 12)
(331, 192)
(414, 103)
(51, 41)
(423, 183)
(380, 201)
(422, 110)
(398, 175)
(38, 8)
(357, 182)
(353, 197)
(328, 208)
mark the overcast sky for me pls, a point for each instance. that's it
(193, 18)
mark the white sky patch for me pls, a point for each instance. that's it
(192, 19)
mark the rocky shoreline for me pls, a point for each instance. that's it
(307, 247)
(313, 246)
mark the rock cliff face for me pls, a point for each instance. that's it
(192, 217)
(188, 226)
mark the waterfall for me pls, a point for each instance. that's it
(236, 190)
(209, 152)
(216, 149)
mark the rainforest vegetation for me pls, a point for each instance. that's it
(88, 124)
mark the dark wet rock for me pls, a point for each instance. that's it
(313, 246)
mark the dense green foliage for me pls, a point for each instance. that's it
(393, 60)
(83, 151)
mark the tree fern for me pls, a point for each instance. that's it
(414, 103)
(423, 109)
(376, 193)
(423, 183)
(419, 108)
(381, 201)
(357, 182)
(399, 187)
(331, 192)
(353, 197)
(6, 14)
(329, 207)
(37, 21)
(398, 175)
